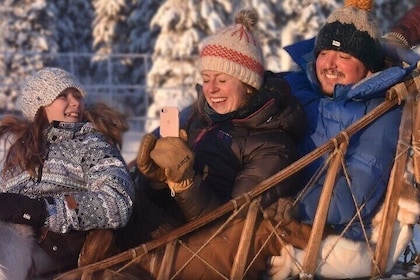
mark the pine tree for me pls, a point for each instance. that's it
(26, 33)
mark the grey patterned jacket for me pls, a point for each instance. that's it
(84, 179)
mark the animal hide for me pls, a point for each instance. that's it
(16, 246)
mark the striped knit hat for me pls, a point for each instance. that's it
(44, 87)
(354, 30)
(234, 50)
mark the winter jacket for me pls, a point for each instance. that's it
(233, 155)
(370, 153)
(83, 178)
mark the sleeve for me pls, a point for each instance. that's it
(271, 152)
(108, 200)
(198, 200)
(368, 163)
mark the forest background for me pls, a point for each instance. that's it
(140, 55)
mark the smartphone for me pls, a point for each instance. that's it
(169, 122)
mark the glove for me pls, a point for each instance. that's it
(396, 39)
(176, 158)
(20, 209)
(283, 210)
(145, 163)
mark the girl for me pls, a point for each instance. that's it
(63, 174)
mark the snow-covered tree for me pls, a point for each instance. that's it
(121, 38)
(73, 22)
(26, 29)
(32, 34)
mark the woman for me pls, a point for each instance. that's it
(243, 129)
(63, 174)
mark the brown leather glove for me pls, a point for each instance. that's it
(145, 163)
(174, 156)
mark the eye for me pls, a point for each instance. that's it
(77, 95)
(222, 79)
(344, 55)
(62, 96)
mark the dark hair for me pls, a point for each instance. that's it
(27, 140)
(111, 123)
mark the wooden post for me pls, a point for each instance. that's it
(393, 192)
(310, 261)
(241, 257)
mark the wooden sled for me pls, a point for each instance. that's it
(403, 93)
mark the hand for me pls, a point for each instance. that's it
(145, 163)
(20, 209)
(396, 39)
(176, 158)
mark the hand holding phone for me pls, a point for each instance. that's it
(169, 122)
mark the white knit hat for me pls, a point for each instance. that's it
(44, 87)
(234, 50)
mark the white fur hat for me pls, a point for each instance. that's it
(44, 87)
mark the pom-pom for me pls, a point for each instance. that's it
(248, 18)
(361, 4)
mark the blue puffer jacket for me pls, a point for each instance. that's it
(371, 151)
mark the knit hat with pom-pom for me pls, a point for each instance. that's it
(354, 30)
(234, 50)
(44, 87)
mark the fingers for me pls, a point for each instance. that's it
(147, 145)
(183, 135)
(173, 155)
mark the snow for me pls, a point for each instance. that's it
(131, 144)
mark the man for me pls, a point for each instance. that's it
(343, 81)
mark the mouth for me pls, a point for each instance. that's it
(218, 100)
(332, 75)
(72, 115)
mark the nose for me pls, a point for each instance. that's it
(331, 59)
(73, 101)
(212, 86)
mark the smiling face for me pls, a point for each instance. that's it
(335, 67)
(223, 92)
(67, 107)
